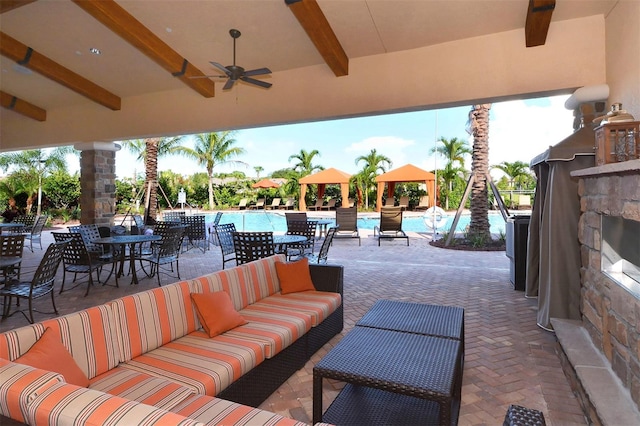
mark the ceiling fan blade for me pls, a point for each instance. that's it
(259, 71)
(256, 82)
(228, 85)
(220, 67)
(209, 76)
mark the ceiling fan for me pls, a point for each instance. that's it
(235, 72)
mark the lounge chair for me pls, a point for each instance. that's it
(524, 202)
(350, 202)
(331, 204)
(275, 203)
(242, 205)
(423, 204)
(347, 223)
(390, 202)
(404, 202)
(390, 224)
(318, 205)
(289, 205)
(258, 205)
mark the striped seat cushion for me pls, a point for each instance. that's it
(141, 387)
(19, 384)
(261, 276)
(89, 336)
(205, 365)
(153, 318)
(318, 304)
(215, 411)
(65, 404)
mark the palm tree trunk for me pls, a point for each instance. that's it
(151, 172)
(211, 202)
(479, 121)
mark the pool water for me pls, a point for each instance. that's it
(276, 222)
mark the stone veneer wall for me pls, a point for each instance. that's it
(610, 313)
(97, 180)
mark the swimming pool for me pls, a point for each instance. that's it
(276, 222)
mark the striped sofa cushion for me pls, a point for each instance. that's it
(262, 277)
(318, 304)
(215, 411)
(230, 280)
(21, 383)
(65, 404)
(136, 386)
(205, 365)
(153, 318)
(89, 336)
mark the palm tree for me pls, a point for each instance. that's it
(373, 162)
(478, 126)
(515, 172)
(148, 151)
(453, 151)
(305, 165)
(211, 150)
(258, 169)
(33, 165)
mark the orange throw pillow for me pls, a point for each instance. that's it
(216, 312)
(294, 276)
(48, 353)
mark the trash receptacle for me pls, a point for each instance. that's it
(517, 231)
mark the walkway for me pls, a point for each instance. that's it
(508, 358)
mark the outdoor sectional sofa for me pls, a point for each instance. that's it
(149, 361)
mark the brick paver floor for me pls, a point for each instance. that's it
(509, 360)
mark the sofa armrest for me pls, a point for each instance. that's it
(327, 277)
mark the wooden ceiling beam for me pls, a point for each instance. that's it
(314, 22)
(7, 5)
(121, 22)
(22, 107)
(29, 58)
(538, 20)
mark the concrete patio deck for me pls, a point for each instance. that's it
(509, 360)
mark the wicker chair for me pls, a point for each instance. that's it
(224, 235)
(35, 233)
(322, 255)
(307, 229)
(250, 246)
(347, 221)
(195, 231)
(40, 285)
(390, 224)
(11, 248)
(166, 252)
(77, 260)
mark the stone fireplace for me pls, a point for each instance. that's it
(610, 249)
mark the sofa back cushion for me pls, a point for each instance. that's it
(89, 336)
(152, 318)
(245, 284)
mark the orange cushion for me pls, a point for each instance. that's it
(216, 312)
(294, 276)
(48, 353)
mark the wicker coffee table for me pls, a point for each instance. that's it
(407, 364)
(419, 318)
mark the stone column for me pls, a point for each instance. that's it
(97, 182)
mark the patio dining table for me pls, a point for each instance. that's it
(281, 241)
(127, 240)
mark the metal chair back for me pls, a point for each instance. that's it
(295, 217)
(35, 234)
(89, 234)
(224, 234)
(172, 216)
(326, 244)
(250, 246)
(306, 229)
(196, 231)
(11, 248)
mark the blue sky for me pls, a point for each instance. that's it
(519, 130)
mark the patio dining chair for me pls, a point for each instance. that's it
(165, 254)
(35, 233)
(307, 229)
(213, 239)
(28, 220)
(347, 222)
(195, 232)
(11, 249)
(390, 224)
(40, 285)
(323, 254)
(295, 216)
(250, 246)
(76, 259)
(172, 216)
(224, 234)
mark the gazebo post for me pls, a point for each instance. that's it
(379, 195)
(303, 192)
(344, 189)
